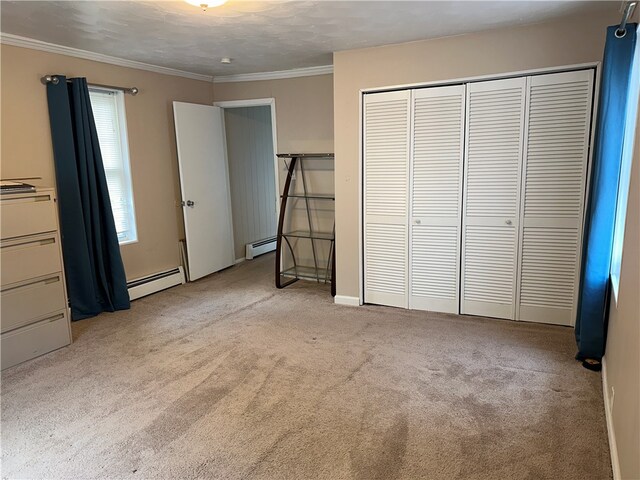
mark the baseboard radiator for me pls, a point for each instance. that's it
(142, 287)
(261, 246)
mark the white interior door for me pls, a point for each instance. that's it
(204, 181)
(494, 140)
(554, 180)
(436, 198)
(386, 192)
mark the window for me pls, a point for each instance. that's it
(108, 112)
(625, 174)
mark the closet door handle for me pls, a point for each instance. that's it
(508, 222)
(418, 222)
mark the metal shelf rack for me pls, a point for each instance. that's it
(317, 272)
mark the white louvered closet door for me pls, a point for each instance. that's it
(555, 169)
(386, 197)
(436, 198)
(494, 139)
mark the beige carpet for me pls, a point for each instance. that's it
(230, 378)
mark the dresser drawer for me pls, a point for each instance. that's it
(28, 215)
(30, 257)
(28, 342)
(31, 301)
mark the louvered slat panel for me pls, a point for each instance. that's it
(386, 261)
(490, 254)
(494, 136)
(494, 144)
(437, 151)
(386, 154)
(555, 165)
(548, 262)
(556, 152)
(386, 185)
(436, 194)
(434, 262)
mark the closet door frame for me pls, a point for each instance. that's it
(384, 298)
(584, 193)
(597, 66)
(487, 309)
(435, 304)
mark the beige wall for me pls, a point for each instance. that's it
(571, 41)
(623, 341)
(304, 109)
(26, 141)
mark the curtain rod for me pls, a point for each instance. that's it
(55, 80)
(628, 10)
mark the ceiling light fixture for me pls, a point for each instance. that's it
(206, 4)
(225, 60)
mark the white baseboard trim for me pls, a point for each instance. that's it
(345, 300)
(608, 406)
(240, 260)
(141, 287)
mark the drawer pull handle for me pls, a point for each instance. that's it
(54, 318)
(41, 242)
(44, 281)
(35, 198)
(50, 319)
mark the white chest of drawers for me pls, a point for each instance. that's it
(34, 313)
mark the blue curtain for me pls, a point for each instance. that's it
(591, 322)
(96, 280)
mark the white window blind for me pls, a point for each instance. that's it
(108, 113)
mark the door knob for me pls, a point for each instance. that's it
(418, 222)
(508, 222)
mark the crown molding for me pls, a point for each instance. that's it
(296, 72)
(25, 42)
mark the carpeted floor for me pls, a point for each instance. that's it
(230, 378)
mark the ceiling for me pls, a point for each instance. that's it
(264, 35)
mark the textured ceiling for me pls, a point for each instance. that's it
(265, 35)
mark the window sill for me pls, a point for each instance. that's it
(128, 242)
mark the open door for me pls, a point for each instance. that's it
(204, 182)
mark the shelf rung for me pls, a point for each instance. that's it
(313, 235)
(306, 155)
(307, 273)
(318, 196)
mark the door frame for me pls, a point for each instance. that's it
(462, 80)
(261, 102)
